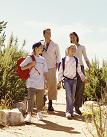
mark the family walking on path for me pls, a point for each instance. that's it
(43, 71)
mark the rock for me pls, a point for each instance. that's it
(11, 117)
(91, 103)
(22, 106)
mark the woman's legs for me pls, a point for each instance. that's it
(79, 93)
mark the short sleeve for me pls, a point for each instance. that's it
(26, 61)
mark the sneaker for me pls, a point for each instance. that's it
(39, 116)
(68, 115)
(28, 118)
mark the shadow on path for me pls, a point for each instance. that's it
(62, 114)
(56, 127)
(57, 113)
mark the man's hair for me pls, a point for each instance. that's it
(74, 33)
(46, 30)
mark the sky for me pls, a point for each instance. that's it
(88, 18)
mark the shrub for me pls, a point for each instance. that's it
(97, 82)
(12, 89)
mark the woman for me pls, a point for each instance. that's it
(81, 51)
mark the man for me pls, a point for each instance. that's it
(81, 51)
(52, 56)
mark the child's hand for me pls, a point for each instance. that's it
(59, 82)
(46, 82)
(86, 81)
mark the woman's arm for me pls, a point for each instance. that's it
(86, 58)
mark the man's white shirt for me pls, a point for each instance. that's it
(52, 55)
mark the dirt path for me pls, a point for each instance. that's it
(54, 124)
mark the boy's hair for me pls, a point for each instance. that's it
(46, 30)
(74, 33)
(36, 45)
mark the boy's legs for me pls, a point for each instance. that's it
(39, 99)
(31, 92)
(39, 103)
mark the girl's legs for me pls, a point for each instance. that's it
(70, 87)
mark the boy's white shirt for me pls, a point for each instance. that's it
(70, 69)
(35, 80)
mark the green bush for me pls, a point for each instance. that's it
(12, 89)
(97, 81)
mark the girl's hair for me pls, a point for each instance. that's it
(67, 49)
(74, 33)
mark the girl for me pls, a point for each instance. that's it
(69, 74)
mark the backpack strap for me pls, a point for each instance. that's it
(33, 59)
(63, 63)
(76, 59)
(59, 64)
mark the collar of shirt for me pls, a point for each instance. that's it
(69, 58)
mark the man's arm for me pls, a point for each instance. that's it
(58, 57)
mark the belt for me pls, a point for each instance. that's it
(70, 78)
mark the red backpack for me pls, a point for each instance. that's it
(23, 74)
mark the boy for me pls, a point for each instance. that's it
(69, 74)
(35, 83)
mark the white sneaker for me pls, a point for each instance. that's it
(28, 118)
(68, 115)
(39, 116)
